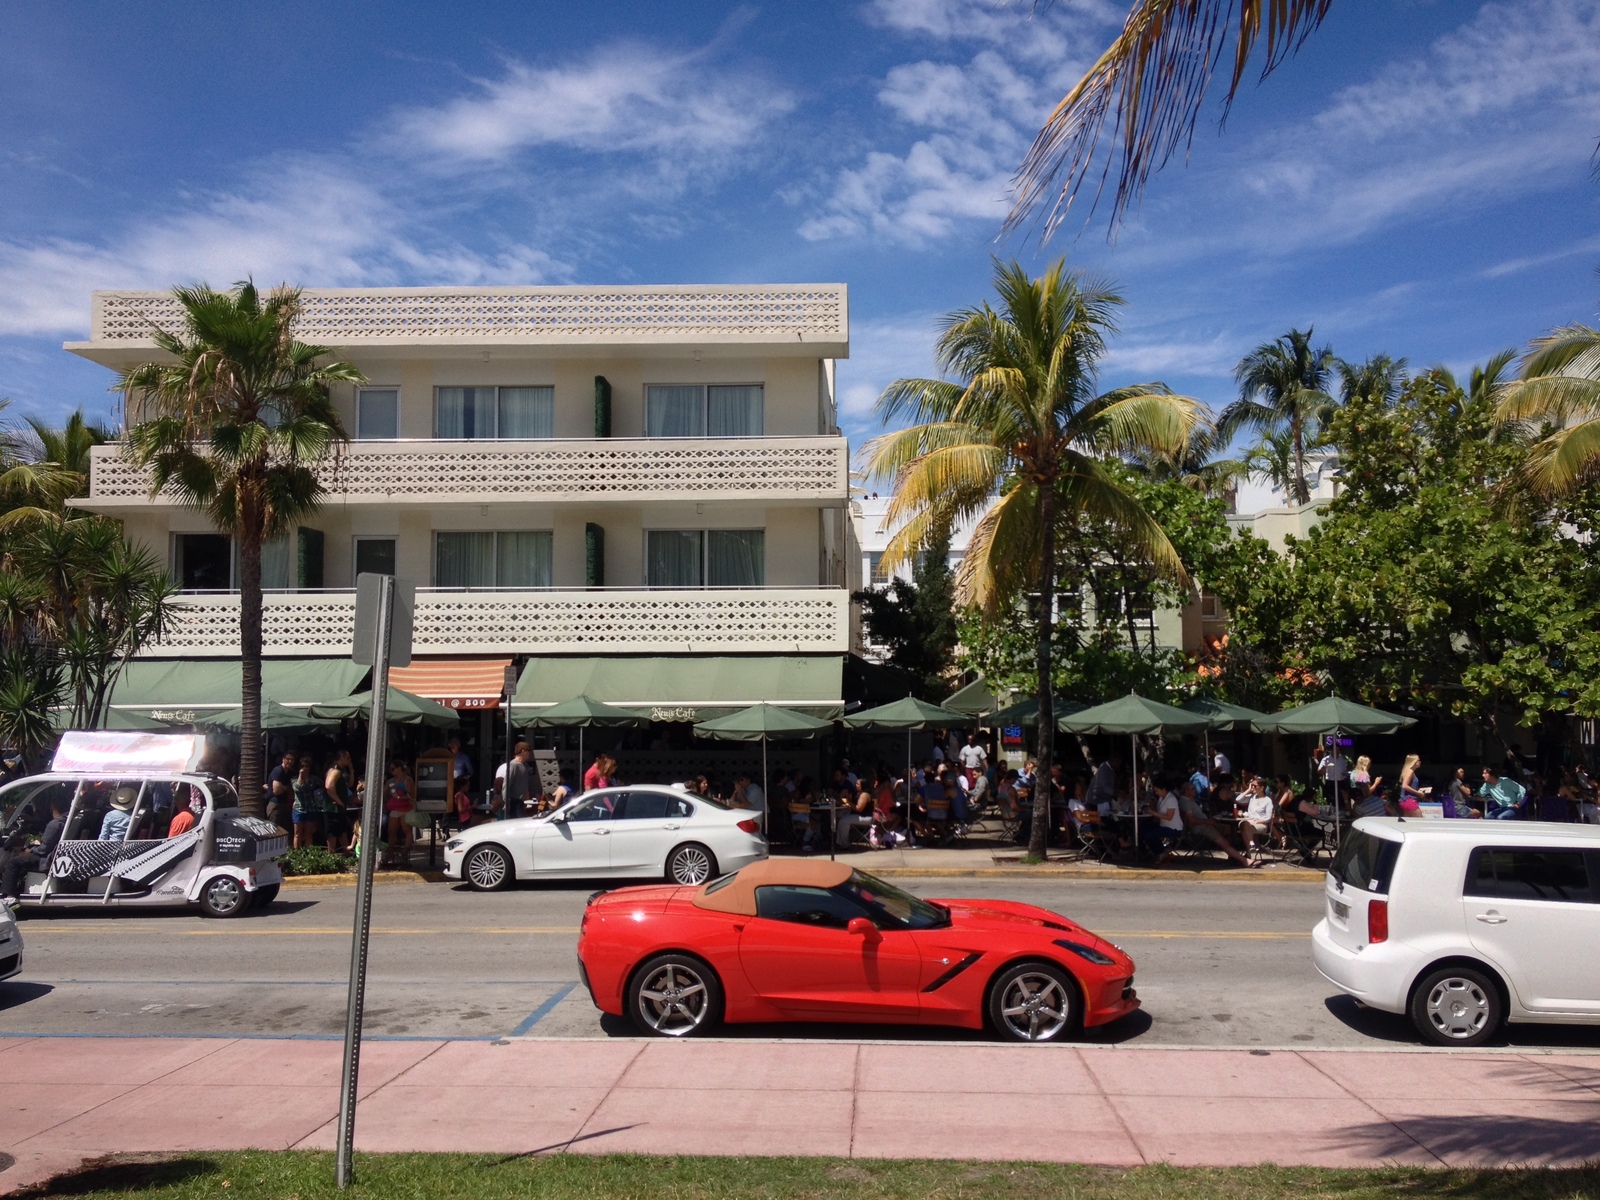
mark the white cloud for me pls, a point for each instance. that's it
(628, 99)
(1146, 359)
(1513, 266)
(881, 351)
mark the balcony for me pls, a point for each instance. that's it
(775, 470)
(557, 621)
(805, 319)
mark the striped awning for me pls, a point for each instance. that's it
(460, 683)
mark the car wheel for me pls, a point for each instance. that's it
(1034, 1002)
(224, 896)
(674, 995)
(263, 896)
(487, 869)
(691, 864)
(1457, 1006)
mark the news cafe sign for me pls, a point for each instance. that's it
(675, 714)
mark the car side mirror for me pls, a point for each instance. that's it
(861, 926)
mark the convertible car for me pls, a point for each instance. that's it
(805, 940)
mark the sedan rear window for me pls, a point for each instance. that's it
(1505, 873)
(1365, 862)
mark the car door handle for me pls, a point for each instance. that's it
(1492, 918)
(602, 831)
(673, 825)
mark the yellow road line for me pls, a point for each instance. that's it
(319, 932)
(1199, 933)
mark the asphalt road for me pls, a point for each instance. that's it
(1219, 964)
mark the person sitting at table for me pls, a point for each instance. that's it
(856, 814)
(1196, 821)
(1256, 825)
(1158, 836)
(1368, 801)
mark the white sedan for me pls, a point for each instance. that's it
(623, 832)
(10, 943)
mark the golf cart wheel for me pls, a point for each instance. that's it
(264, 896)
(224, 896)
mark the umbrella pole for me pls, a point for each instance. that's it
(1134, 738)
(581, 767)
(910, 839)
(766, 799)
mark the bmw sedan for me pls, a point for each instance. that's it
(612, 833)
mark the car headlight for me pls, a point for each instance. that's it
(1088, 953)
(454, 844)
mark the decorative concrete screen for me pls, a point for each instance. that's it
(574, 315)
(756, 620)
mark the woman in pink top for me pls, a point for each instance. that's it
(599, 774)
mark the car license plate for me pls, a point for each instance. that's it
(1340, 909)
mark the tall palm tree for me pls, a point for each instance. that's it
(1379, 378)
(1283, 387)
(1555, 400)
(235, 420)
(32, 488)
(1198, 464)
(1151, 83)
(1018, 434)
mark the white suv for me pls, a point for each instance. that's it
(1465, 925)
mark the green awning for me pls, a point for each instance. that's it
(178, 691)
(975, 699)
(690, 688)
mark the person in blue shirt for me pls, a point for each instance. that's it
(1505, 797)
(1202, 783)
(114, 825)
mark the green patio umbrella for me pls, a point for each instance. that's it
(1026, 712)
(912, 715)
(583, 712)
(1334, 715)
(975, 699)
(1134, 714)
(275, 717)
(404, 709)
(1223, 716)
(758, 723)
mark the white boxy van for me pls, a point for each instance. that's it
(1464, 925)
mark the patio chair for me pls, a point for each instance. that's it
(1095, 842)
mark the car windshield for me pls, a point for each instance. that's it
(890, 906)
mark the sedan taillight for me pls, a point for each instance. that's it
(1377, 921)
(750, 825)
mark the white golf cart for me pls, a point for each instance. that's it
(225, 863)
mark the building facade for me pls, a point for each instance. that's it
(594, 476)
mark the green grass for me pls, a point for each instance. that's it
(300, 1176)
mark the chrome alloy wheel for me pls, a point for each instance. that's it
(1034, 1007)
(486, 868)
(1458, 1008)
(690, 866)
(225, 893)
(674, 1000)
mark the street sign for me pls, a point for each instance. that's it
(367, 585)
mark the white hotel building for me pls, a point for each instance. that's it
(640, 493)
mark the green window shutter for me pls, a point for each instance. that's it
(309, 557)
(602, 407)
(594, 556)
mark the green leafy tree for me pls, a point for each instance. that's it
(915, 620)
(235, 420)
(1015, 439)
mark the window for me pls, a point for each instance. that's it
(806, 906)
(1210, 610)
(1560, 875)
(494, 412)
(687, 558)
(601, 808)
(876, 575)
(698, 410)
(202, 562)
(655, 806)
(1365, 862)
(486, 560)
(375, 556)
(377, 414)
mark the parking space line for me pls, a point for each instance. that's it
(543, 1011)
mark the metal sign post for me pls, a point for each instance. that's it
(510, 689)
(375, 641)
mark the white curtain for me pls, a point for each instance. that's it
(464, 560)
(523, 560)
(736, 411)
(377, 414)
(463, 412)
(736, 558)
(275, 559)
(527, 412)
(675, 411)
(672, 558)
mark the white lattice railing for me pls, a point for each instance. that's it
(487, 472)
(713, 620)
(529, 315)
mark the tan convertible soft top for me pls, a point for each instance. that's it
(738, 896)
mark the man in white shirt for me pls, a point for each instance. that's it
(973, 756)
(1220, 765)
(1335, 771)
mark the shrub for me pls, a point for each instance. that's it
(315, 860)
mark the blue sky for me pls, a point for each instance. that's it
(1418, 182)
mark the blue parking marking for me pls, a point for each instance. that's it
(543, 1011)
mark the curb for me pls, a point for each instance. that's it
(348, 879)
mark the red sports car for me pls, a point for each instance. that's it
(804, 940)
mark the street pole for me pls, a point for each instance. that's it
(371, 814)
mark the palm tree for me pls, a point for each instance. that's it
(1197, 464)
(1379, 378)
(235, 420)
(1272, 456)
(1019, 435)
(1283, 386)
(1151, 83)
(32, 488)
(1556, 400)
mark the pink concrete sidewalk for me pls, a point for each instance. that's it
(80, 1098)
